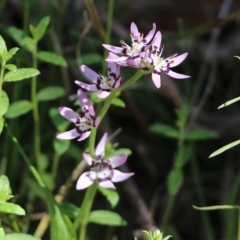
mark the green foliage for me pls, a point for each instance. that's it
(174, 181)
(41, 28)
(165, 130)
(70, 209)
(1, 124)
(219, 207)
(50, 93)
(20, 74)
(18, 108)
(111, 195)
(118, 102)
(3, 48)
(60, 146)
(104, 217)
(10, 67)
(91, 58)
(57, 120)
(20, 236)
(200, 134)
(52, 58)
(229, 102)
(11, 208)
(4, 103)
(155, 235)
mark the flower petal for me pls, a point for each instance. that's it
(151, 33)
(114, 68)
(84, 136)
(177, 75)
(100, 149)
(89, 73)
(97, 121)
(69, 134)
(135, 62)
(117, 60)
(68, 113)
(85, 102)
(156, 43)
(135, 35)
(89, 87)
(107, 184)
(112, 48)
(177, 60)
(119, 176)
(118, 160)
(84, 181)
(103, 94)
(117, 83)
(156, 79)
(87, 157)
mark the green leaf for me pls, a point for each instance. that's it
(174, 181)
(18, 108)
(3, 48)
(224, 148)
(88, 59)
(1, 124)
(182, 156)
(182, 115)
(104, 217)
(42, 26)
(20, 74)
(20, 236)
(200, 134)
(10, 67)
(58, 121)
(118, 102)
(125, 151)
(11, 52)
(21, 38)
(33, 31)
(5, 190)
(111, 195)
(12, 208)
(50, 93)
(60, 146)
(4, 103)
(164, 130)
(52, 58)
(217, 207)
(2, 234)
(70, 209)
(229, 102)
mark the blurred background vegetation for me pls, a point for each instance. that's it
(149, 124)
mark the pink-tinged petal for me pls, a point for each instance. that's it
(87, 158)
(89, 87)
(177, 60)
(84, 181)
(97, 121)
(177, 75)
(85, 102)
(89, 73)
(114, 68)
(100, 149)
(118, 160)
(112, 48)
(151, 33)
(103, 94)
(134, 31)
(119, 176)
(136, 62)
(84, 136)
(68, 135)
(156, 79)
(107, 184)
(117, 83)
(68, 113)
(156, 43)
(118, 60)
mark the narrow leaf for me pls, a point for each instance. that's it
(11, 52)
(70, 209)
(20, 236)
(60, 147)
(164, 130)
(111, 195)
(12, 208)
(3, 47)
(174, 181)
(118, 102)
(50, 93)
(1, 124)
(218, 207)
(18, 108)
(104, 217)
(10, 67)
(225, 148)
(4, 103)
(52, 58)
(229, 102)
(5, 185)
(2, 234)
(200, 134)
(42, 26)
(20, 74)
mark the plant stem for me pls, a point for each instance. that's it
(238, 224)
(55, 166)
(37, 141)
(168, 211)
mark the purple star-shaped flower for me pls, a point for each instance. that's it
(161, 64)
(83, 121)
(104, 84)
(102, 169)
(133, 54)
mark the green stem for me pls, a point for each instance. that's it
(37, 141)
(238, 224)
(55, 166)
(168, 212)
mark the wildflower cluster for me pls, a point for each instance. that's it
(144, 52)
